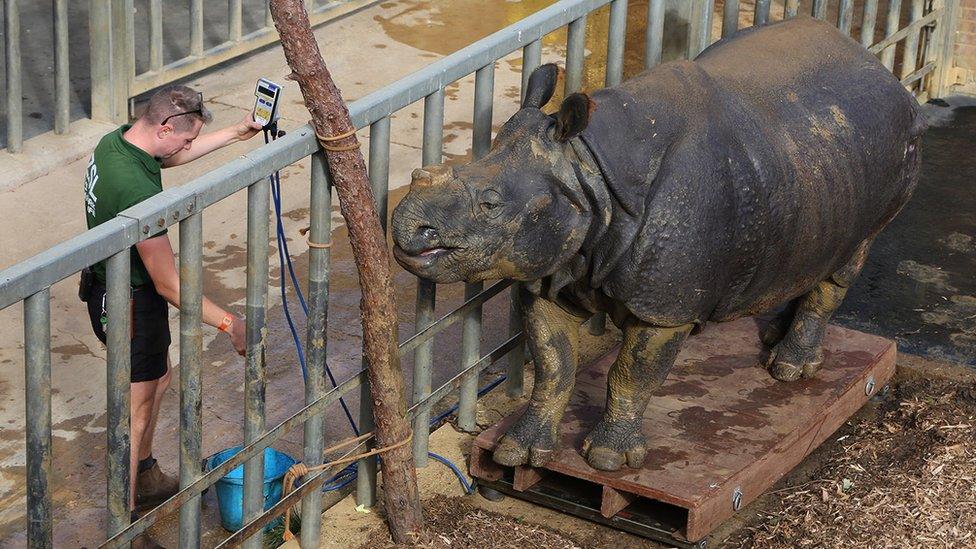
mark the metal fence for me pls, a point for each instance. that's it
(122, 32)
(925, 46)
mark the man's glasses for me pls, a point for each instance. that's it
(196, 111)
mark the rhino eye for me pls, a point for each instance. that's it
(490, 203)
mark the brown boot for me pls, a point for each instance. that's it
(154, 487)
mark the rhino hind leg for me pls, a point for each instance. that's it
(774, 330)
(646, 356)
(799, 354)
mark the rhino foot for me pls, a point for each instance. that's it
(531, 440)
(788, 362)
(611, 444)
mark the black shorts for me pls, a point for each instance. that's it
(149, 323)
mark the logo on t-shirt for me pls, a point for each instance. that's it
(91, 177)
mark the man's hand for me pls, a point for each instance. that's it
(247, 128)
(237, 335)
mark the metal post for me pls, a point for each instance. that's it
(37, 360)
(911, 41)
(62, 88)
(868, 22)
(234, 15)
(654, 42)
(575, 54)
(15, 104)
(615, 42)
(423, 363)
(254, 372)
(191, 366)
(845, 16)
(320, 230)
(123, 57)
(730, 17)
(701, 38)
(819, 9)
(484, 83)
(891, 27)
(790, 8)
(531, 59)
(196, 28)
(118, 378)
(762, 13)
(155, 35)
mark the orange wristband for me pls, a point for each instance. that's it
(226, 323)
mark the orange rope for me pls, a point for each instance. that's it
(325, 140)
(300, 469)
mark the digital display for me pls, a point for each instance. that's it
(265, 91)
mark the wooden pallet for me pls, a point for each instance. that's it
(720, 430)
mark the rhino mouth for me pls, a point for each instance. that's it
(422, 260)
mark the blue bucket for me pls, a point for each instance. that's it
(230, 489)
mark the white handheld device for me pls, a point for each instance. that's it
(266, 104)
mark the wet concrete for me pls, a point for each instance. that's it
(919, 284)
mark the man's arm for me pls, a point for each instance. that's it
(209, 142)
(157, 256)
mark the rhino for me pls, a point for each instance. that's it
(754, 176)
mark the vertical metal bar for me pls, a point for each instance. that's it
(762, 13)
(891, 27)
(196, 27)
(191, 366)
(790, 8)
(379, 166)
(62, 89)
(819, 9)
(911, 42)
(15, 105)
(845, 16)
(654, 41)
(254, 371)
(379, 176)
(234, 15)
(730, 17)
(122, 58)
(575, 54)
(320, 230)
(531, 59)
(155, 35)
(268, 20)
(868, 22)
(37, 360)
(702, 25)
(99, 47)
(119, 363)
(484, 83)
(426, 291)
(616, 39)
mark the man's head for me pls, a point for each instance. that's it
(172, 120)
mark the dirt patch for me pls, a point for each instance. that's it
(902, 478)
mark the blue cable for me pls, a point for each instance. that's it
(468, 489)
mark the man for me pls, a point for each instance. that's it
(123, 171)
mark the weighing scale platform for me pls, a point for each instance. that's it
(720, 432)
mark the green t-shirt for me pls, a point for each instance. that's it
(120, 175)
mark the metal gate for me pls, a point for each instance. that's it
(924, 43)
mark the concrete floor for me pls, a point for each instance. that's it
(924, 261)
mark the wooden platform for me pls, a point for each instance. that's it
(720, 431)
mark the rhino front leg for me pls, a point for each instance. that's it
(553, 338)
(646, 356)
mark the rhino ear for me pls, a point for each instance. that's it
(542, 84)
(573, 116)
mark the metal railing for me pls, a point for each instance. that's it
(30, 280)
(113, 32)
